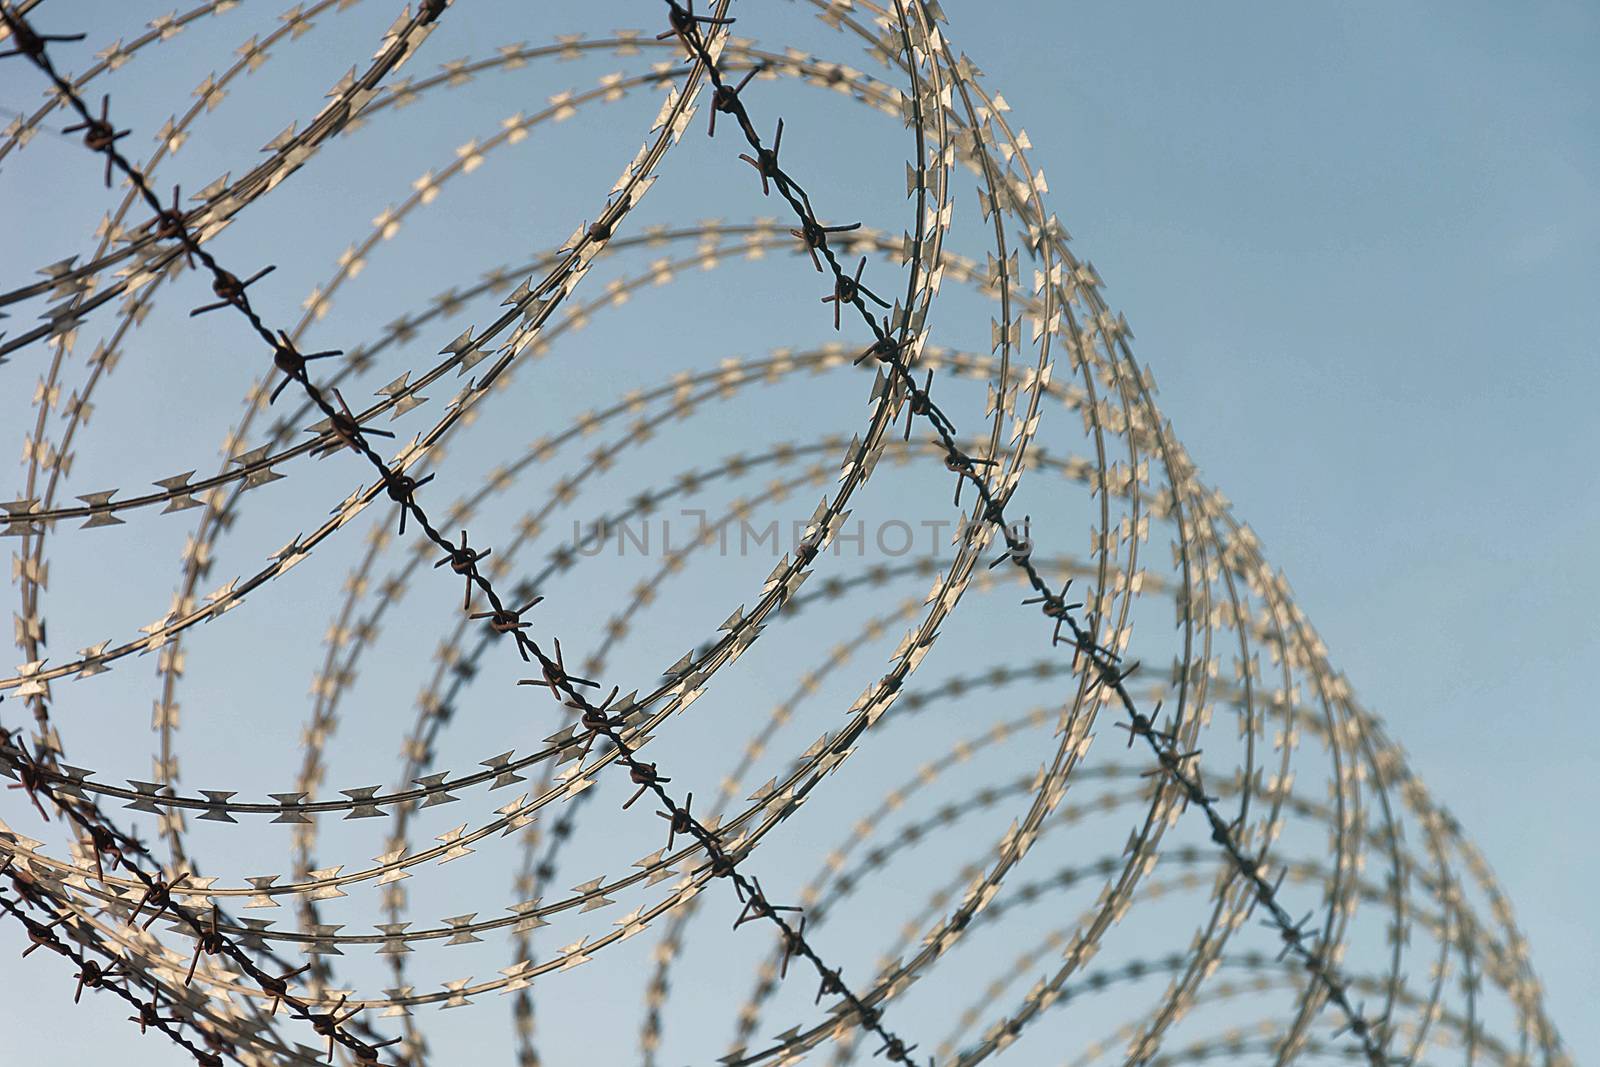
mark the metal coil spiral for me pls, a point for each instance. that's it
(1139, 817)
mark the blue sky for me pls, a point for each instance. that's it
(1357, 245)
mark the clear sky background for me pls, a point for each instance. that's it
(1358, 245)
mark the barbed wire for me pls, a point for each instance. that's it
(945, 108)
(1105, 663)
(597, 718)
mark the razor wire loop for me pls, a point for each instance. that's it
(463, 559)
(176, 496)
(849, 290)
(285, 356)
(92, 975)
(723, 861)
(157, 892)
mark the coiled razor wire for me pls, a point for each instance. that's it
(1330, 908)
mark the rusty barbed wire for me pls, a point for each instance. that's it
(950, 116)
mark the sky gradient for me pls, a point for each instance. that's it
(1358, 248)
